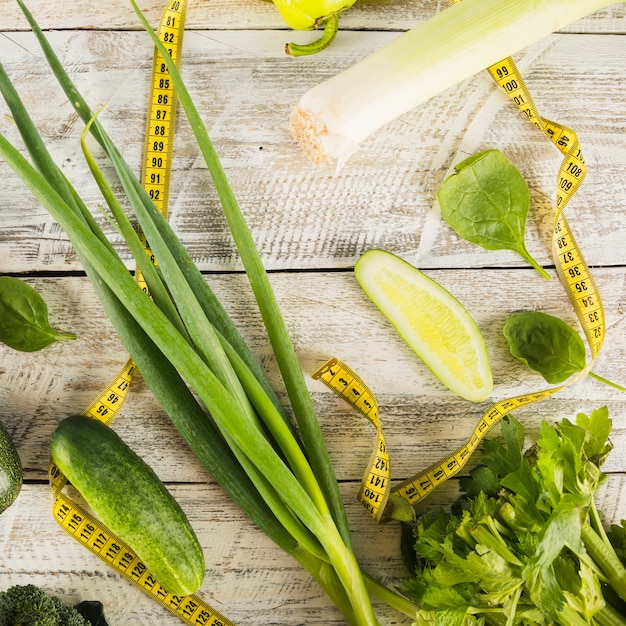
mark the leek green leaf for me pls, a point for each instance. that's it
(486, 202)
(279, 491)
(24, 321)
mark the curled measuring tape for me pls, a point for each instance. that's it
(375, 485)
(376, 493)
(156, 172)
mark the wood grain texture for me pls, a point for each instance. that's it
(302, 215)
(328, 316)
(248, 578)
(254, 14)
(311, 224)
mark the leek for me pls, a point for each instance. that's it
(335, 116)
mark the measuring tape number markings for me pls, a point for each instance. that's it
(161, 117)
(156, 172)
(376, 481)
(576, 279)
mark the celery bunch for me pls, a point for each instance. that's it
(530, 548)
(192, 356)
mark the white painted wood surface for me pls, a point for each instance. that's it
(303, 217)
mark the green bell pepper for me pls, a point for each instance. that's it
(313, 15)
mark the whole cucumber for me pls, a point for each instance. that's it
(10, 470)
(128, 497)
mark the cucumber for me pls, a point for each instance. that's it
(11, 474)
(431, 321)
(130, 499)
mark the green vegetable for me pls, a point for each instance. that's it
(29, 605)
(24, 321)
(126, 494)
(10, 470)
(313, 14)
(307, 14)
(529, 548)
(193, 358)
(548, 345)
(334, 117)
(433, 323)
(486, 202)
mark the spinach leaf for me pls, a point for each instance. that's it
(486, 202)
(24, 317)
(546, 344)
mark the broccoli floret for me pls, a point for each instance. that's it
(28, 605)
(69, 616)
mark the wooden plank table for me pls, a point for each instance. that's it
(310, 224)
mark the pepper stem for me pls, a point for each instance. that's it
(330, 25)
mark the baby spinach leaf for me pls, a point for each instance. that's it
(546, 344)
(486, 202)
(24, 317)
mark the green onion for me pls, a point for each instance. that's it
(193, 358)
(335, 116)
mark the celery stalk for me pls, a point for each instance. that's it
(335, 116)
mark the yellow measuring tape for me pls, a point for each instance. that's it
(576, 279)
(161, 117)
(72, 517)
(375, 484)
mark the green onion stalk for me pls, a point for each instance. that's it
(192, 356)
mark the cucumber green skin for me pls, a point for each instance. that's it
(129, 498)
(11, 474)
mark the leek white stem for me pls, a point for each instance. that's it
(335, 116)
